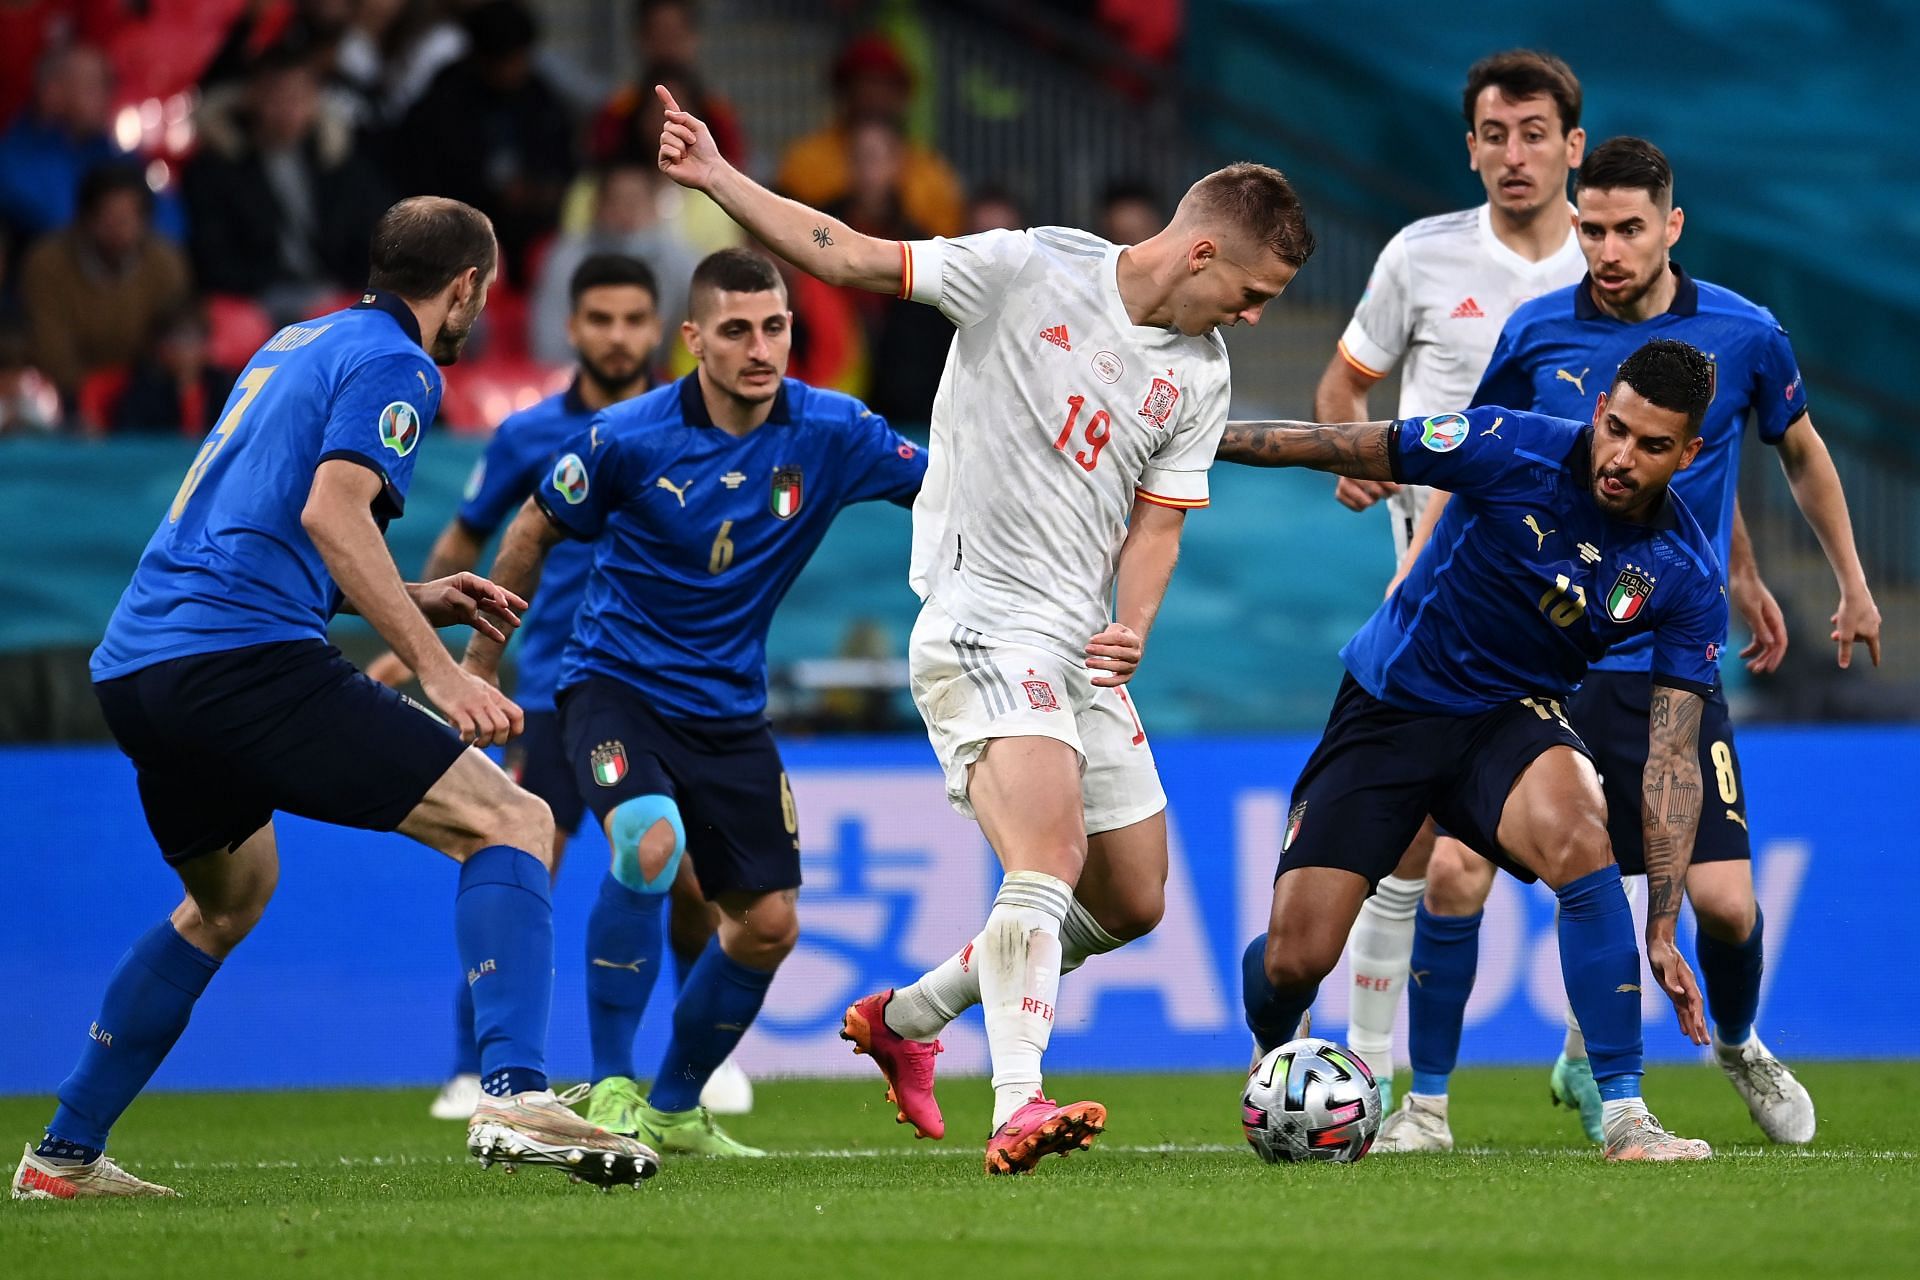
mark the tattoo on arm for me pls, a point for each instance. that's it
(1670, 796)
(1362, 450)
(822, 237)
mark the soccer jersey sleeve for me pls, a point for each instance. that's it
(1176, 474)
(1688, 640)
(584, 483)
(1508, 381)
(500, 481)
(1778, 393)
(880, 463)
(1479, 452)
(378, 415)
(964, 277)
(1382, 323)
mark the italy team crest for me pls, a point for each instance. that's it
(1294, 821)
(789, 491)
(399, 427)
(1158, 406)
(609, 761)
(1629, 594)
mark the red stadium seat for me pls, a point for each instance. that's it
(237, 328)
(481, 393)
(100, 393)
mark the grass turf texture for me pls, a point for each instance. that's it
(364, 1184)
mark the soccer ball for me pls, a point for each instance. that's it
(1310, 1100)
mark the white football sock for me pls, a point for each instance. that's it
(1381, 950)
(1081, 936)
(923, 1010)
(1574, 1047)
(1019, 962)
(1614, 1109)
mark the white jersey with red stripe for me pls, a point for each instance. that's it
(1439, 295)
(1055, 412)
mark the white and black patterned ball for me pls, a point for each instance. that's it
(1310, 1100)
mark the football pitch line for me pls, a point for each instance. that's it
(890, 1153)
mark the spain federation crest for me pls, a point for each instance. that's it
(1158, 406)
(609, 761)
(789, 491)
(399, 427)
(1629, 594)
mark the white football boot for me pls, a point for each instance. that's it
(457, 1098)
(1419, 1125)
(1779, 1104)
(535, 1127)
(38, 1179)
(1636, 1135)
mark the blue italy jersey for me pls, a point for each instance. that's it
(230, 565)
(518, 458)
(1558, 352)
(1527, 581)
(700, 533)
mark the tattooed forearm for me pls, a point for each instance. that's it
(1670, 797)
(822, 237)
(1358, 449)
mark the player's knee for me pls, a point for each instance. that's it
(218, 929)
(648, 838)
(1134, 913)
(689, 922)
(762, 932)
(523, 821)
(1724, 917)
(1456, 886)
(1298, 961)
(1581, 849)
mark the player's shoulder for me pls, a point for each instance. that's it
(1070, 242)
(1427, 233)
(1682, 528)
(1723, 303)
(659, 407)
(1549, 310)
(811, 406)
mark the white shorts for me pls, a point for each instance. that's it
(1403, 509)
(972, 688)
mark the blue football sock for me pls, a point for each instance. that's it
(683, 962)
(623, 960)
(503, 921)
(720, 1002)
(1730, 972)
(1446, 956)
(146, 1006)
(1600, 964)
(466, 1049)
(1272, 1015)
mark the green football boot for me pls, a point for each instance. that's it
(1386, 1095)
(1572, 1086)
(614, 1104)
(691, 1133)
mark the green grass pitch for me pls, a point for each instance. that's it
(364, 1185)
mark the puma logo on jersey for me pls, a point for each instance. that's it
(1057, 335)
(679, 491)
(1468, 310)
(611, 964)
(1533, 525)
(593, 438)
(1734, 817)
(1627, 988)
(1494, 430)
(1579, 383)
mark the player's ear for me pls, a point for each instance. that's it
(1675, 221)
(1600, 409)
(690, 334)
(1576, 148)
(1689, 451)
(1473, 153)
(1200, 254)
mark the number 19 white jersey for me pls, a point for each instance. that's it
(1054, 413)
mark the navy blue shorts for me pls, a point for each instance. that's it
(726, 776)
(537, 760)
(1610, 712)
(220, 741)
(1379, 771)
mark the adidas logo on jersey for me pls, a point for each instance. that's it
(1058, 337)
(1468, 310)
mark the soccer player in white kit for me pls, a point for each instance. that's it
(1439, 294)
(1081, 404)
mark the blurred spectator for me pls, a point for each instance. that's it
(53, 145)
(993, 208)
(28, 403)
(93, 291)
(281, 195)
(693, 215)
(28, 28)
(311, 28)
(393, 51)
(871, 80)
(666, 33)
(1129, 212)
(908, 341)
(175, 387)
(492, 132)
(626, 220)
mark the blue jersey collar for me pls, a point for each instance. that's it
(1686, 296)
(573, 402)
(693, 405)
(394, 305)
(1580, 463)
